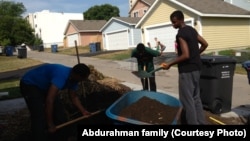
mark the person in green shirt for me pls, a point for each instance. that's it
(145, 61)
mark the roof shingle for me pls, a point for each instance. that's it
(214, 7)
(88, 25)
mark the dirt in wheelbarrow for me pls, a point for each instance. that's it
(153, 112)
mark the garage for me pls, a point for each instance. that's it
(164, 33)
(117, 40)
(71, 40)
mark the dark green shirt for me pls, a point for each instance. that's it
(145, 59)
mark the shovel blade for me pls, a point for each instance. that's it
(142, 74)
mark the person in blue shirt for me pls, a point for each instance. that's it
(145, 62)
(40, 88)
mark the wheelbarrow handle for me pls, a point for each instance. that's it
(77, 119)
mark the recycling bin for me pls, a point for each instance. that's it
(246, 66)
(92, 47)
(54, 48)
(9, 51)
(216, 83)
(21, 52)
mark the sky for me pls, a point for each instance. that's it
(71, 6)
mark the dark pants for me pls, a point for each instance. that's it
(149, 83)
(35, 100)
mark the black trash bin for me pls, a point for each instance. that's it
(40, 48)
(246, 66)
(22, 52)
(216, 83)
(98, 46)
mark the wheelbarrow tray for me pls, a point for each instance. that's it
(132, 97)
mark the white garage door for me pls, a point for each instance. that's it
(165, 34)
(71, 40)
(117, 40)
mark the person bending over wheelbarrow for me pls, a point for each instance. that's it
(144, 56)
(40, 87)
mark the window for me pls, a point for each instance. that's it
(136, 14)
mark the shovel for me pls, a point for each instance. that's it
(77, 119)
(145, 74)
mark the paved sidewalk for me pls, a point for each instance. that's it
(167, 80)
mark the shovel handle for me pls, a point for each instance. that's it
(77, 119)
(156, 70)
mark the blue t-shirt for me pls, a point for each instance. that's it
(47, 74)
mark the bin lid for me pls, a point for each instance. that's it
(217, 59)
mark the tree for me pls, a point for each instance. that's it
(101, 12)
(14, 30)
(11, 9)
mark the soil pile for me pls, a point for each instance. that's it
(151, 111)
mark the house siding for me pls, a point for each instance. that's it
(224, 33)
(161, 15)
(140, 7)
(49, 26)
(113, 26)
(136, 37)
(220, 33)
(71, 30)
(90, 37)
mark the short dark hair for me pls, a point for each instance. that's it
(140, 47)
(81, 69)
(178, 14)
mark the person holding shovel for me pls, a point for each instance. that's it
(190, 46)
(145, 62)
(40, 89)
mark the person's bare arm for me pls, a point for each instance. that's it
(77, 103)
(49, 106)
(203, 43)
(182, 57)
